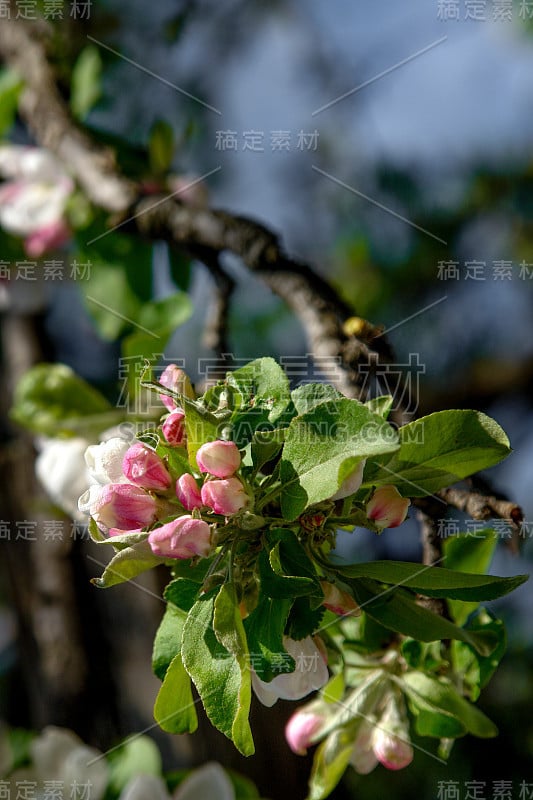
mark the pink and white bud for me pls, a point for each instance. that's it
(310, 674)
(143, 467)
(339, 601)
(352, 483)
(119, 505)
(390, 741)
(174, 427)
(47, 238)
(221, 459)
(188, 493)
(225, 497)
(178, 381)
(392, 751)
(301, 730)
(104, 461)
(184, 537)
(387, 508)
(363, 758)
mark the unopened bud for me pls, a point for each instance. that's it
(184, 537)
(178, 381)
(221, 459)
(225, 496)
(387, 508)
(188, 493)
(174, 427)
(143, 467)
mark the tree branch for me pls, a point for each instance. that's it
(315, 302)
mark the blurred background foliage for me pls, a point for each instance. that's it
(424, 225)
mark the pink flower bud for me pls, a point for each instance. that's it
(221, 459)
(390, 740)
(387, 508)
(188, 493)
(300, 730)
(174, 427)
(119, 505)
(176, 379)
(225, 496)
(392, 751)
(143, 467)
(184, 537)
(338, 601)
(352, 483)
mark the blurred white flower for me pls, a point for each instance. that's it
(59, 755)
(210, 781)
(34, 197)
(62, 471)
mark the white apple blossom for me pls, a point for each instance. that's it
(311, 673)
(104, 461)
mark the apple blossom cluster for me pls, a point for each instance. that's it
(34, 197)
(243, 493)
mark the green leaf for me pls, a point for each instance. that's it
(243, 787)
(264, 630)
(134, 756)
(469, 553)
(396, 610)
(51, 399)
(304, 618)
(322, 448)
(201, 426)
(274, 583)
(359, 703)
(265, 446)
(216, 674)
(438, 695)
(161, 147)
(10, 88)
(333, 691)
(264, 391)
(174, 709)
(182, 593)
(330, 762)
(435, 581)
(85, 84)
(476, 670)
(127, 564)
(175, 457)
(381, 405)
(438, 450)
(156, 322)
(310, 395)
(230, 632)
(437, 724)
(286, 570)
(167, 642)
(180, 268)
